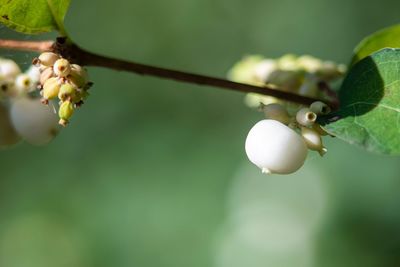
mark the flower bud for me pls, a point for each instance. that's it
(78, 76)
(51, 88)
(62, 68)
(65, 112)
(277, 112)
(46, 74)
(320, 108)
(313, 140)
(48, 59)
(66, 91)
(306, 117)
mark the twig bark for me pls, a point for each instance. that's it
(83, 57)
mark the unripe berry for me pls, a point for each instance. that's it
(313, 140)
(66, 91)
(24, 84)
(65, 112)
(34, 122)
(51, 88)
(8, 135)
(320, 108)
(62, 68)
(48, 59)
(277, 112)
(306, 117)
(78, 76)
(46, 74)
(9, 69)
(275, 148)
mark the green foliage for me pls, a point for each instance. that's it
(388, 37)
(370, 108)
(33, 17)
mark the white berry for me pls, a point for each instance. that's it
(275, 148)
(8, 135)
(8, 68)
(34, 122)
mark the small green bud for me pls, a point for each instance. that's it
(62, 68)
(306, 117)
(66, 91)
(51, 88)
(65, 112)
(48, 59)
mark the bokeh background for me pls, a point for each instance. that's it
(153, 172)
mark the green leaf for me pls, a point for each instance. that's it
(369, 116)
(34, 16)
(388, 37)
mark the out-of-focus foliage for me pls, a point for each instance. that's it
(34, 17)
(388, 37)
(143, 176)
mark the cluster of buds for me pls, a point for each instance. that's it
(304, 75)
(279, 143)
(59, 79)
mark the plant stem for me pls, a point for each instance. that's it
(83, 57)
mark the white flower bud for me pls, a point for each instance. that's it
(46, 74)
(34, 122)
(62, 68)
(277, 112)
(48, 59)
(313, 140)
(275, 148)
(306, 117)
(320, 108)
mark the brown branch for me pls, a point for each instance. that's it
(83, 57)
(32, 46)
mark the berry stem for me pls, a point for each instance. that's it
(83, 57)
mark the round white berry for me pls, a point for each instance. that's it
(8, 68)
(34, 122)
(275, 148)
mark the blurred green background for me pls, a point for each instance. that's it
(153, 172)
